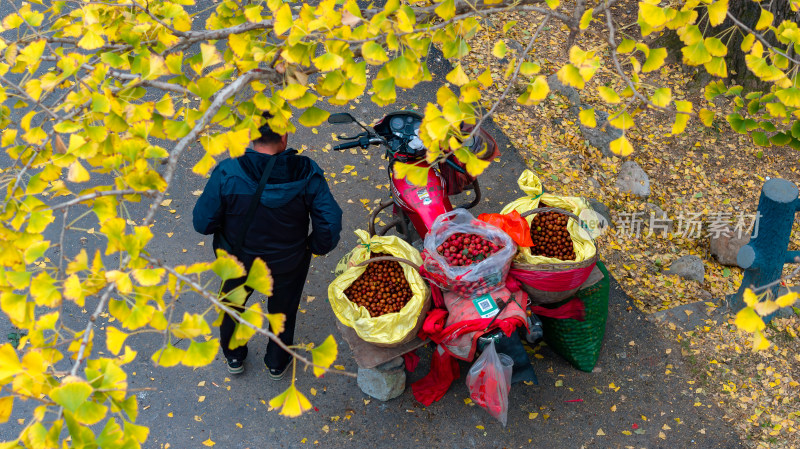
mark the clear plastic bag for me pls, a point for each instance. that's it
(473, 280)
(489, 382)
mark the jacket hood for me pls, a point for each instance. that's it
(290, 175)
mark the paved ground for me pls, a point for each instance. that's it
(654, 409)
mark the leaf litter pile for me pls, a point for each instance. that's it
(700, 179)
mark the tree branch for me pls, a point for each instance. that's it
(28, 97)
(761, 38)
(159, 21)
(513, 78)
(95, 195)
(219, 99)
(101, 307)
(235, 315)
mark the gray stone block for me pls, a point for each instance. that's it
(633, 179)
(384, 382)
(688, 267)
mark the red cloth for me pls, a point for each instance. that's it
(513, 224)
(573, 309)
(412, 360)
(434, 323)
(444, 370)
(555, 281)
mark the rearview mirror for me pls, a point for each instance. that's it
(341, 117)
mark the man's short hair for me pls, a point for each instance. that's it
(268, 136)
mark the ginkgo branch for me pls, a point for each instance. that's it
(580, 8)
(29, 98)
(193, 37)
(512, 80)
(793, 274)
(615, 58)
(235, 315)
(87, 332)
(219, 99)
(160, 22)
(62, 256)
(132, 77)
(761, 38)
(95, 195)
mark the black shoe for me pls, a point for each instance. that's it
(235, 366)
(277, 374)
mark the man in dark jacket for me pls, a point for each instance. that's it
(295, 194)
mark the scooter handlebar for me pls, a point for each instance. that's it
(346, 145)
(363, 142)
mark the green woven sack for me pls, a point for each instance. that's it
(580, 341)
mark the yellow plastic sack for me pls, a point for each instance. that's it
(581, 241)
(392, 327)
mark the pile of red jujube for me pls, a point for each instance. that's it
(462, 249)
(382, 288)
(551, 237)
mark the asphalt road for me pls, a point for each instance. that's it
(184, 407)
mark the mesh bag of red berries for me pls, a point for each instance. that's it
(466, 255)
(380, 293)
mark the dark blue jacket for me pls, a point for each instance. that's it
(295, 195)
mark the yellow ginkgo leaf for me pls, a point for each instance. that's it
(760, 343)
(485, 78)
(622, 121)
(621, 147)
(115, 338)
(416, 175)
(324, 355)
(148, 276)
(6, 404)
(765, 21)
(276, 322)
(259, 278)
(474, 165)
(73, 290)
(457, 76)
(77, 173)
(208, 443)
(499, 50)
(91, 40)
(706, 116)
(587, 117)
(787, 299)
(764, 308)
(608, 94)
(750, 297)
(748, 320)
(717, 12)
(291, 402)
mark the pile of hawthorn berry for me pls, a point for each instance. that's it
(462, 249)
(550, 236)
(382, 288)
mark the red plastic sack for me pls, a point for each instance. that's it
(489, 382)
(514, 225)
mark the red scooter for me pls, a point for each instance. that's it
(416, 207)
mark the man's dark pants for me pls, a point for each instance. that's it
(287, 289)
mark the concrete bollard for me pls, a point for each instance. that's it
(764, 257)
